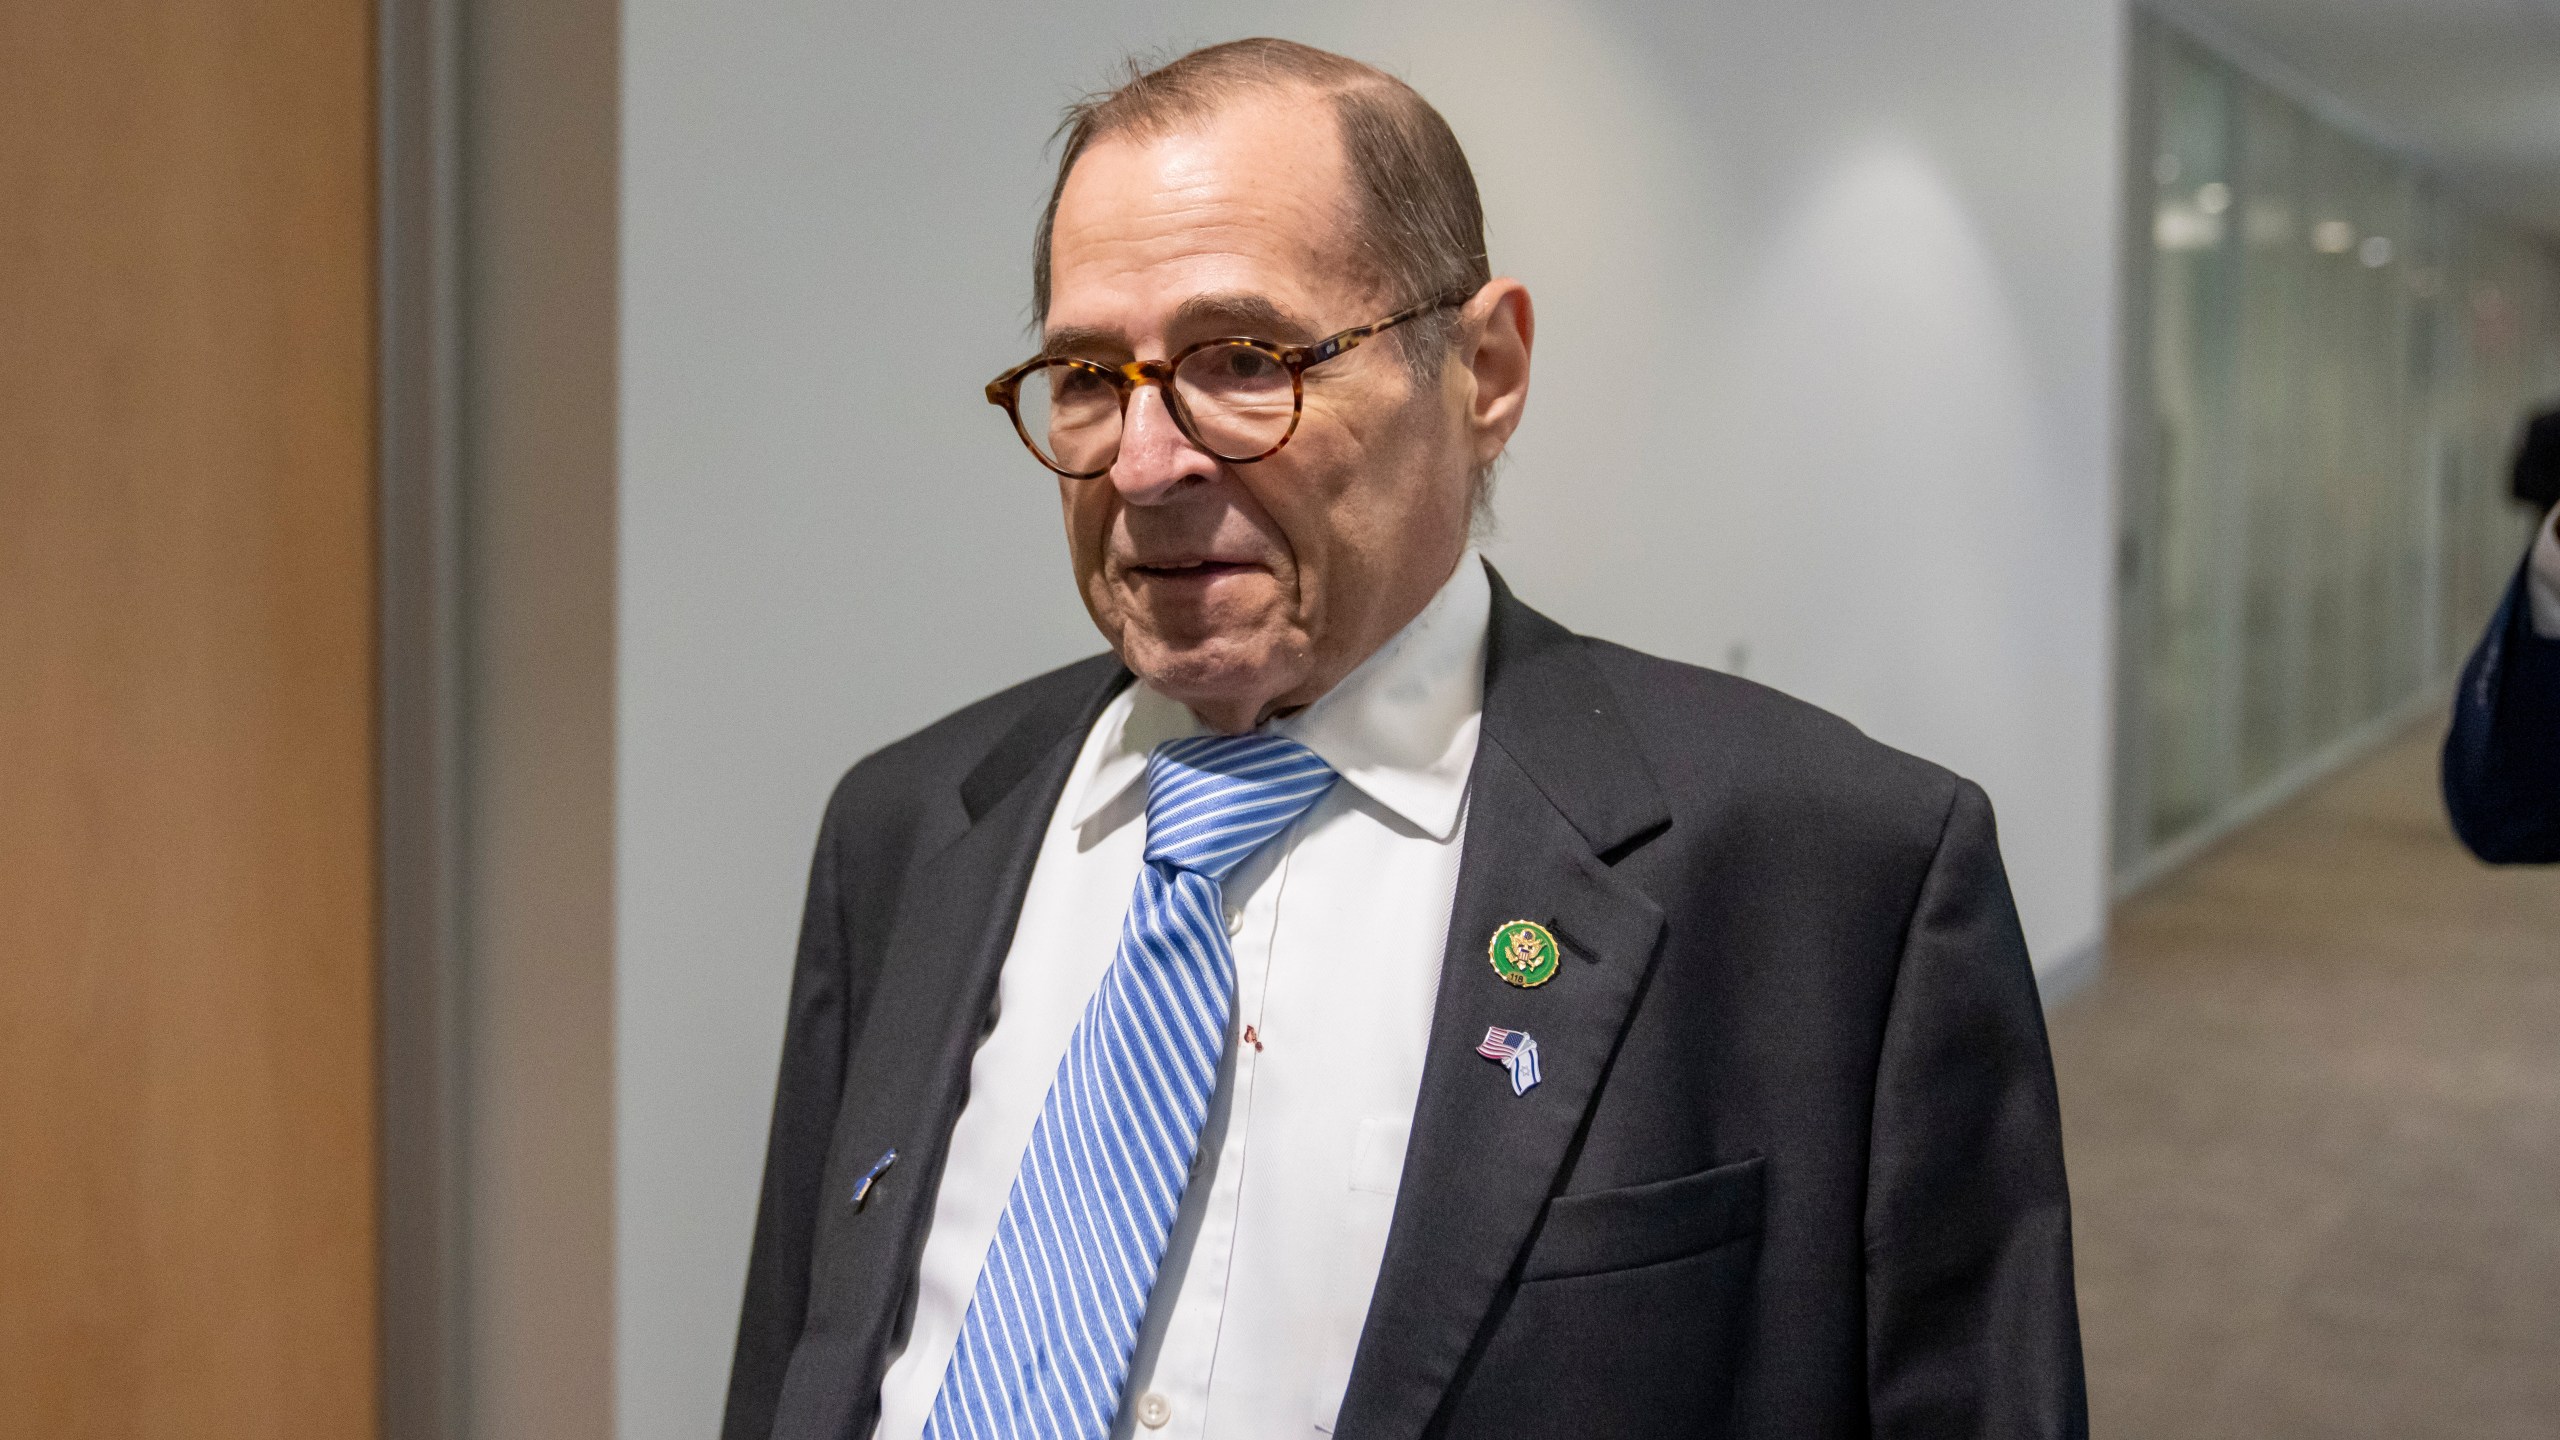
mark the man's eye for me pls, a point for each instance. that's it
(1240, 364)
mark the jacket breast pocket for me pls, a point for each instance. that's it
(1629, 1317)
(1643, 1225)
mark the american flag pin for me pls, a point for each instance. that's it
(879, 1167)
(1517, 1052)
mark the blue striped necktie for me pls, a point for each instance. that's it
(1044, 1348)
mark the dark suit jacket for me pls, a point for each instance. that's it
(2502, 758)
(1794, 1169)
(2535, 477)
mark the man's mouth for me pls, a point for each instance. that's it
(1192, 570)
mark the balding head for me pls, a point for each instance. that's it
(1412, 224)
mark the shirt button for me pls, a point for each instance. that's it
(1235, 921)
(1154, 1410)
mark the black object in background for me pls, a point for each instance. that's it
(2536, 479)
(2502, 757)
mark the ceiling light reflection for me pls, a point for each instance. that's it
(2183, 227)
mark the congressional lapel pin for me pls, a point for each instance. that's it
(871, 1177)
(1524, 954)
(1516, 1051)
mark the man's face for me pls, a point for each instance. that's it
(1248, 590)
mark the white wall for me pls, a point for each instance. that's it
(1823, 372)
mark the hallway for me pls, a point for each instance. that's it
(2313, 1122)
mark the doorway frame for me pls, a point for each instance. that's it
(422, 1101)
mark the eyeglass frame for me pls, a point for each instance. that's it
(1006, 389)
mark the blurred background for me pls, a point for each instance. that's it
(472, 474)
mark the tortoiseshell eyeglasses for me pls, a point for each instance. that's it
(1236, 398)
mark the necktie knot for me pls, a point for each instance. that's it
(1212, 800)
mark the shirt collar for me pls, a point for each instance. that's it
(1401, 728)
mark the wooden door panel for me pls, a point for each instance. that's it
(186, 720)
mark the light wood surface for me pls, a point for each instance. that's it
(186, 680)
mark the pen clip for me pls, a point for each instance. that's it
(871, 1177)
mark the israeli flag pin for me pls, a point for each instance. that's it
(1517, 1052)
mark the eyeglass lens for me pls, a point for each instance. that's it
(1236, 401)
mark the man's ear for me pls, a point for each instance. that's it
(1503, 327)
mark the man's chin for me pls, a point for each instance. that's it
(1226, 681)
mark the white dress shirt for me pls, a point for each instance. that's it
(1338, 928)
(2542, 578)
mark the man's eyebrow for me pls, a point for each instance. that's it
(1201, 317)
(1083, 340)
(1238, 313)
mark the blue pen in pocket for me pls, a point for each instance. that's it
(870, 1177)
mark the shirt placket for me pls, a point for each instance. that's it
(1175, 1404)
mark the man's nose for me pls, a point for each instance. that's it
(1156, 458)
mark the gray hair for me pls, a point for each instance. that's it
(1418, 226)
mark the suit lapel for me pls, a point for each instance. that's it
(907, 1071)
(1558, 794)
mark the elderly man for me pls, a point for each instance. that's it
(1355, 1004)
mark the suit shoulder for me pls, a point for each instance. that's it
(1705, 731)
